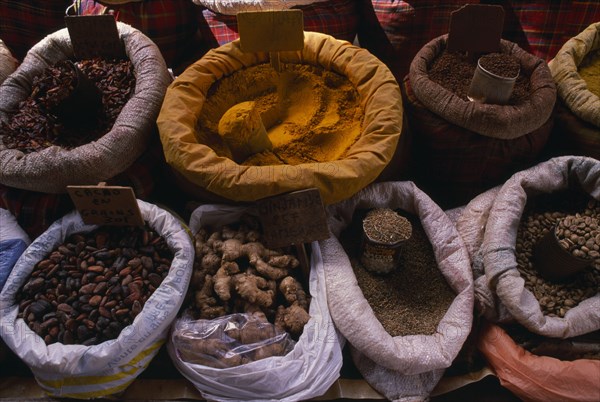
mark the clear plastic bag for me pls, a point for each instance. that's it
(229, 341)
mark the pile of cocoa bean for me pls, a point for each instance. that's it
(556, 298)
(94, 284)
(33, 127)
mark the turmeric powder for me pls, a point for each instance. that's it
(318, 122)
(589, 71)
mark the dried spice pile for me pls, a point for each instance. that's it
(310, 114)
(94, 284)
(454, 71)
(33, 127)
(589, 70)
(386, 226)
(541, 215)
(412, 299)
(500, 64)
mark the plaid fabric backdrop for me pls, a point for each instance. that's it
(171, 24)
(395, 30)
(36, 211)
(25, 23)
(453, 164)
(541, 27)
(338, 18)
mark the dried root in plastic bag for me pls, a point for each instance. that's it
(230, 340)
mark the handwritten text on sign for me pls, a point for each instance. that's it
(294, 218)
(106, 205)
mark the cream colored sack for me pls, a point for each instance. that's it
(403, 368)
(52, 169)
(203, 170)
(489, 225)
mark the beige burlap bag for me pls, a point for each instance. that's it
(579, 115)
(408, 367)
(489, 227)
(52, 169)
(202, 169)
(8, 64)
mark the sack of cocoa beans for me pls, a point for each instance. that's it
(66, 122)
(87, 307)
(576, 70)
(8, 64)
(249, 304)
(13, 241)
(405, 325)
(462, 148)
(505, 231)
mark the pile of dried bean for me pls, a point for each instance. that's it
(556, 298)
(33, 127)
(94, 284)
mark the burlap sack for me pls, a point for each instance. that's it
(402, 367)
(489, 226)
(203, 170)
(8, 64)
(53, 168)
(463, 148)
(580, 122)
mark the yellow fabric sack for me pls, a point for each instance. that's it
(203, 171)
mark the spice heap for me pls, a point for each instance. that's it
(454, 71)
(384, 225)
(317, 118)
(589, 70)
(384, 231)
(33, 127)
(94, 284)
(500, 64)
(409, 301)
(545, 211)
(235, 273)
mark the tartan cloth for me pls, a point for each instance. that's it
(25, 23)
(338, 18)
(36, 211)
(542, 27)
(395, 31)
(453, 165)
(170, 24)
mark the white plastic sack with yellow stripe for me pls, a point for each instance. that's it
(78, 371)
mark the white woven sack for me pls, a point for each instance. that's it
(13, 242)
(402, 367)
(232, 7)
(78, 371)
(52, 169)
(306, 372)
(8, 64)
(471, 227)
(499, 242)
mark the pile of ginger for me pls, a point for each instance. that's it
(235, 273)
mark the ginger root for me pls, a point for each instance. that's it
(250, 288)
(292, 291)
(291, 319)
(223, 278)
